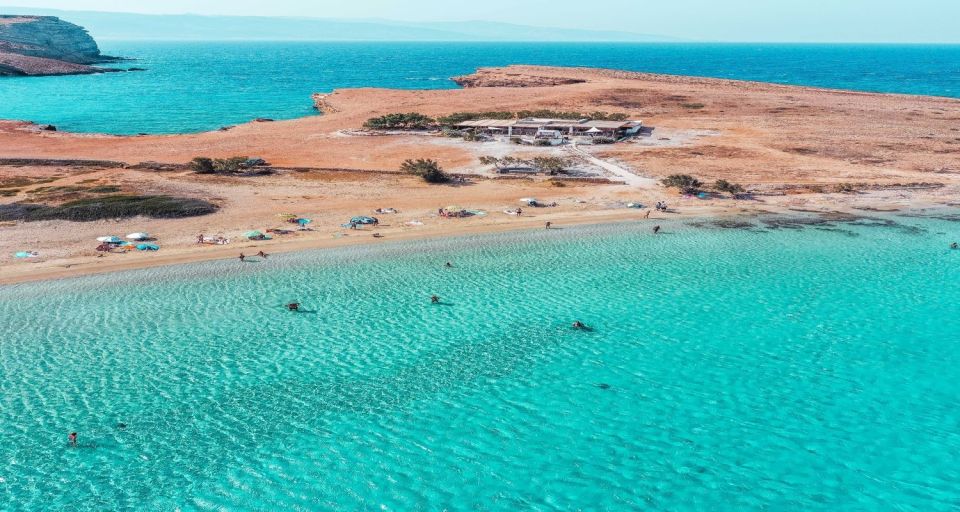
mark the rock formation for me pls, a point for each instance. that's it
(46, 45)
(504, 77)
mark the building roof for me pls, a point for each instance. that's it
(557, 124)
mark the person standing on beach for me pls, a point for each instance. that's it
(262, 254)
(647, 216)
(656, 229)
(242, 257)
(549, 224)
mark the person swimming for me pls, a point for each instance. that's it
(434, 299)
(72, 438)
(656, 229)
(579, 325)
(449, 265)
(955, 246)
(293, 306)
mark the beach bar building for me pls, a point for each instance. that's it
(566, 128)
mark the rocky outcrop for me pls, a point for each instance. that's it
(46, 45)
(503, 77)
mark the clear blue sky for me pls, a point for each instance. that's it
(716, 20)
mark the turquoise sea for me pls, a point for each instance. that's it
(788, 364)
(203, 86)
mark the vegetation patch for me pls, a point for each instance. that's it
(408, 121)
(236, 165)
(429, 170)
(109, 207)
(730, 188)
(684, 182)
(692, 106)
(105, 189)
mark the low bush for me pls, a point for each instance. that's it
(684, 182)
(429, 170)
(110, 207)
(408, 121)
(726, 186)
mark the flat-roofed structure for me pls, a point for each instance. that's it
(567, 127)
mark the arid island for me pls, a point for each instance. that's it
(519, 147)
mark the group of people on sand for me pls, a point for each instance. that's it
(216, 240)
(261, 254)
(661, 206)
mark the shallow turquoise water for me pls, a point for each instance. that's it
(202, 86)
(729, 369)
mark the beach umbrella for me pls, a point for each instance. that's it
(252, 234)
(304, 222)
(109, 239)
(148, 247)
(138, 236)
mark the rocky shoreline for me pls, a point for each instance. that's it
(48, 46)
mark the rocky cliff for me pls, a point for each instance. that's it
(46, 45)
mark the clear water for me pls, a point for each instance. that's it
(765, 369)
(203, 86)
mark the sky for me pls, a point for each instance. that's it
(898, 21)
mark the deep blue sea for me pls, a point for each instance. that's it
(202, 86)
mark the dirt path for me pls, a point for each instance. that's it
(627, 176)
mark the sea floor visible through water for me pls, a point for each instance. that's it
(772, 363)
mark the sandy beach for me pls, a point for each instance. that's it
(792, 147)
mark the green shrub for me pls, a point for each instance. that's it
(408, 121)
(684, 182)
(429, 170)
(726, 186)
(551, 165)
(202, 165)
(460, 117)
(110, 207)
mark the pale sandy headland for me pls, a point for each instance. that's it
(794, 147)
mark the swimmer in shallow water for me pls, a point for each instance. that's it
(579, 325)
(72, 438)
(955, 246)
(294, 306)
(434, 299)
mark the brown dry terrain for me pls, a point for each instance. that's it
(790, 145)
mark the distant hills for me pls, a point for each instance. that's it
(191, 27)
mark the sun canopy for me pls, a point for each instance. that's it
(138, 236)
(252, 234)
(594, 130)
(109, 239)
(364, 220)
